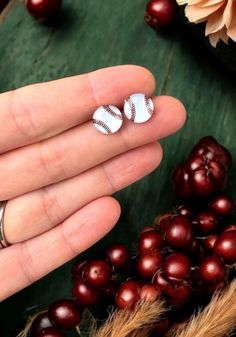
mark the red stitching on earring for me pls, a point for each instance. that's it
(112, 112)
(102, 124)
(147, 104)
(132, 108)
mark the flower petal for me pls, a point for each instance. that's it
(223, 35)
(230, 8)
(214, 39)
(210, 3)
(182, 2)
(199, 14)
(215, 22)
(231, 31)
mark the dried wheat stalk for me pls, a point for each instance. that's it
(132, 323)
(218, 319)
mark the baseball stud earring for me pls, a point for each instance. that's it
(107, 119)
(138, 108)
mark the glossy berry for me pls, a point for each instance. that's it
(205, 176)
(185, 210)
(178, 232)
(148, 264)
(160, 13)
(77, 269)
(128, 294)
(230, 228)
(206, 223)
(41, 322)
(225, 246)
(209, 242)
(149, 292)
(179, 295)
(211, 149)
(176, 267)
(84, 294)
(161, 282)
(65, 314)
(149, 241)
(181, 182)
(51, 332)
(97, 273)
(212, 270)
(222, 205)
(147, 229)
(43, 9)
(117, 255)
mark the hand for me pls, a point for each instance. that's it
(57, 170)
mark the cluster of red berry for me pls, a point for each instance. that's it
(184, 257)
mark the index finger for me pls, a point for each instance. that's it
(40, 111)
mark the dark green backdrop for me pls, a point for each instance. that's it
(98, 33)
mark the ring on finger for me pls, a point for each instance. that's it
(3, 241)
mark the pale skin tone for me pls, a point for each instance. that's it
(58, 171)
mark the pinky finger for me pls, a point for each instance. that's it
(36, 257)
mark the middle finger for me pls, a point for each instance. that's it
(81, 148)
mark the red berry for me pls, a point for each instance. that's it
(117, 255)
(149, 241)
(210, 148)
(65, 314)
(147, 229)
(222, 205)
(178, 296)
(161, 327)
(97, 273)
(41, 322)
(225, 246)
(161, 282)
(229, 228)
(178, 233)
(148, 264)
(128, 294)
(84, 294)
(209, 242)
(43, 9)
(181, 182)
(160, 13)
(185, 210)
(212, 270)
(206, 223)
(149, 292)
(176, 267)
(51, 332)
(77, 269)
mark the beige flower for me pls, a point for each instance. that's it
(220, 17)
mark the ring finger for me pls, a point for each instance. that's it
(34, 213)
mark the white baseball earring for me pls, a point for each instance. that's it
(107, 119)
(138, 108)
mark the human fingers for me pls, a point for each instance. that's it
(35, 258)
(82, 148)
(34, 213)
(40, 111)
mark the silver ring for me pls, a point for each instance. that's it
(3, 241)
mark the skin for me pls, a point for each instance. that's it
(50, 152)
